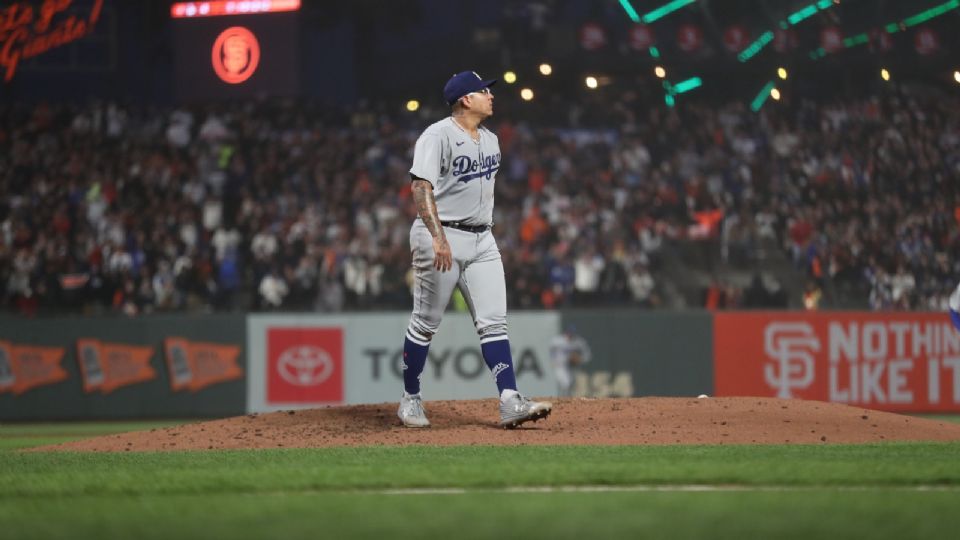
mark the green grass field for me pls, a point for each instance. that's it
(896, 490)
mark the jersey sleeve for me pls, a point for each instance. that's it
(427, 158)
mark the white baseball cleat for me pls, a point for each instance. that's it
(411, 411)
(518, 409)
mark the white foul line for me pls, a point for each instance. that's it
(677, 488)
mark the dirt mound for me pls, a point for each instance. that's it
(574, 421)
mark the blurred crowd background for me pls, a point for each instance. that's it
(120, 195)
(289, 205)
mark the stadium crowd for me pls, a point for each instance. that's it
(289, 205)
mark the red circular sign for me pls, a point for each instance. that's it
(784, 40)
(831, 39)
(880, 40)
(236, 54)
(689, 37)
(735, 38)
(640, 36)
(592, 36)
(926, 41)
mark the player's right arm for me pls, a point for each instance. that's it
(427, 209)
(425, 173)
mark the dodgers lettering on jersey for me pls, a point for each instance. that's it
(463, 171)
(466, 169)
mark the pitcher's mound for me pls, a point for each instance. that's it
(573, 421)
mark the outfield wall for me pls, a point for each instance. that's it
(223, 365)
(151, 367)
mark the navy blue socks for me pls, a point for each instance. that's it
(414, 358)
(496, 353)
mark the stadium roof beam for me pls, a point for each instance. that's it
(922, 16)
(632, 13)
(761, 98)
(664, 10)
(792, 20)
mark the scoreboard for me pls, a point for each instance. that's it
(236, 49)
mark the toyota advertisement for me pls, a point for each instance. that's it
(309, 361)
(902, 362)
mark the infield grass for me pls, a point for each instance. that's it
(894, 490)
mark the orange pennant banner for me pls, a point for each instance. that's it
(108, 366)
(195, 365)
(23, 367)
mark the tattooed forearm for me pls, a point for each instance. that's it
(427, 207)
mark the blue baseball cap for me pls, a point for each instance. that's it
(464, 83)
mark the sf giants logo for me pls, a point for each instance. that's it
(790, 347)
(235, 55)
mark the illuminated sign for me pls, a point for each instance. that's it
(220, 8)
(26, 31)
(235, 55)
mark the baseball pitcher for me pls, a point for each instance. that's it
(455, 164)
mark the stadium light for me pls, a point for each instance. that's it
(546, 69)
(413, 105)
(884, 74)
(761, 97)
(591, 82)
(509, 77)
(526, 94)
(659, 72)
(632, 13)
(665, 10)
(782, 73)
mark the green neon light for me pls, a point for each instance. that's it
(654, 52)
(802, 14)
(858, 39)
(808, 11)
(819, 53)
(936, 11)
(665, 10)
(670, 101)
(761, 97)
(687, 85)
(632, 13)
(755, 47)
(923, 16)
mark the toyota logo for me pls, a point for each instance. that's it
(305, 365)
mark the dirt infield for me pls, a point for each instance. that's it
(574, 421)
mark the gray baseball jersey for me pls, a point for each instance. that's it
(461, 170)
